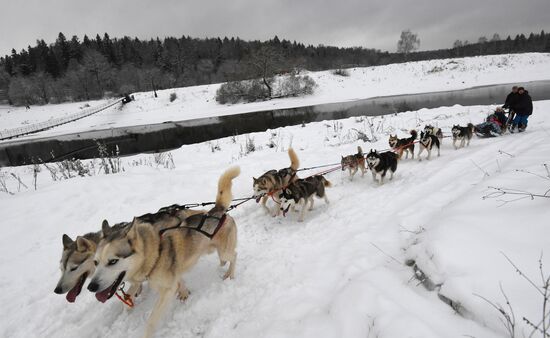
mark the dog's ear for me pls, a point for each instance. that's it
(83, 245)
(131, 233)
(254, 179)
(342, 156)
(67, 241)
(105, 228)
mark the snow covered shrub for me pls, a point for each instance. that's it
(257, 90)
(296, 86)
(109, 163)
(436, 69)
(173, 97)
(340, 72)
(231, 92)
(3, 184)
(164, 160)
(249, 147)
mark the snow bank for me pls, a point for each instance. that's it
(337, 274)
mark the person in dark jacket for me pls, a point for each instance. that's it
(510, 104)
(523, 109)
(511, 99)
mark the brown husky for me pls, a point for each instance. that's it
(403, 144)
(141, 253)
(274, 180)
(354, 163)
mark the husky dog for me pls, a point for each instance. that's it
(429, 129)
(78, 256)
(301, 191)
(428, 141)
(380, 163)
(462, 134)
(354, 163)
(77, 262)
(275, 180)
(141, 253)
(404, 144)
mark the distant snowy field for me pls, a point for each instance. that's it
(199, 101)
(330, 276)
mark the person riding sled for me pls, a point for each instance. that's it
(494, 125)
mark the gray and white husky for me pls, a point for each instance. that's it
(462, 134)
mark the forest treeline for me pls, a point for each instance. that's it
(74, 69)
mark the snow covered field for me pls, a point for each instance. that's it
(199, 101)
(330, 276)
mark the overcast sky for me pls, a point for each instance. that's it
(366, 23)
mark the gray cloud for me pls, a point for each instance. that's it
(367, 23)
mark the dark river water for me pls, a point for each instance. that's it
(171, 135)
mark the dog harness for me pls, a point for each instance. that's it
(208, 229)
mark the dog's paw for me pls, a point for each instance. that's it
(183, 294)
(228, 275)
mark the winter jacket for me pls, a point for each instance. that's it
(524, 105)
(498, 118)
(511, 101)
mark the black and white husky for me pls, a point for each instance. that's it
(429, 129)
(427, 142)
(462, 134)
(300, 192)
(381, 163)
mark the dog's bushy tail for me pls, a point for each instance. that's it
(414, 134)
(294, 161)
(224, 196)
(359, 150)
(326, 182)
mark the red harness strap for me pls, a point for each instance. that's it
(125, 298)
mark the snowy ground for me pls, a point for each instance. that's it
(199, 101)
(330, 276)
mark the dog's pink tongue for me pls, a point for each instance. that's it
(75, 291)
(103, 295)
(258, 199)
(71, 295)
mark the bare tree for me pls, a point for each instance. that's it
(495, 37)
(20, 91)
(457, 45)
(408, 42)
(79, 81)
(41, 86)
(97, 65)
(265, 64)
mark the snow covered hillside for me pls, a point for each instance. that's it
(341, 272)
(199, 101)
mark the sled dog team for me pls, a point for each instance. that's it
(160, 247)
